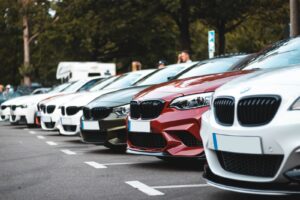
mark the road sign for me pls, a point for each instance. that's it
(211, 43)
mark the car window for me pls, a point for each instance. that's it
(162, 75)
(125, 81)
(103, 84)
(282, 54)
(61, 87)
(88, 85)
(211, 67)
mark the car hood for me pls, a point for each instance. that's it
(117, 98)
(35, 99)
(194, 85)
(59, 99)
(84, 98)
(14, 100)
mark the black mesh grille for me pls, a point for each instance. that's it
(86, 113)
(62, 110)
(147, 140)
(3, 107)
(72, 110)
(43, 108)
(13, 117)
(188, 139)
(250, 164)
(49, 124)
(50, 109)
(224, 110)
(255, 111)
(100, 112)
(146, 109)
(13, 107)
(134, 110)
(69, 128)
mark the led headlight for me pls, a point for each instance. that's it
(296, 105)
(122, 111)
(192, 101)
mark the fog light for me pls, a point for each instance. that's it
(294, 174)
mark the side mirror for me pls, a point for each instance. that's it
(171, 78)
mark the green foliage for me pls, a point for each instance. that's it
(121, 31)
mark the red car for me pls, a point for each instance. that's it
(165, 120)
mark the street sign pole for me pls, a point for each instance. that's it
(211, 43)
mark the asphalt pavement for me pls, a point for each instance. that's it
(36, 164)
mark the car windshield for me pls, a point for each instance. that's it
(125, 80)
(88, 85)
(213, 66)
(282, 54)
(162, 75)
(61, 87)
(101, 84)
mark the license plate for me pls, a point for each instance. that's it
(90, 125)
(46, 118)
(66, 121)
(237, 144)
(139, 126)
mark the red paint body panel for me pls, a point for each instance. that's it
(172, 120)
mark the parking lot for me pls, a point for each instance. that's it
(43, 165)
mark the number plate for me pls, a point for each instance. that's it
(66, 121)
(139, 126)
(90, 125)
(46, 118)
(237, 144)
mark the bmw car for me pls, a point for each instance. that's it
(251, 133)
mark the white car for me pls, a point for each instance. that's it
(251, 134)
(52, 120)
(26, 109)
(6, 106)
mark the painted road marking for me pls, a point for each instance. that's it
(40, 137)
(95, 165)
(68, 152)
(32, 132)
(180, 186)
(51, 143)
(25, 129)
(144, 188)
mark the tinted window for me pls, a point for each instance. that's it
(88, 85)
(282, 54)
(100, 85)
(125, 81)
(211, 67)
(162, 75)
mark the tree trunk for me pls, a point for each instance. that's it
(221, 37)
(184, 26)
(26, 63)
(294, 18)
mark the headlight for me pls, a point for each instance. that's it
(296, 105)
(122, 111)
(192, 101)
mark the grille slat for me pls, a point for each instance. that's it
(50, 109)
(250, 164)
(147, 140)
(224, 110)
(100, 112)
(86, 113)
(149, 109)
(72, 110)
(257, 111)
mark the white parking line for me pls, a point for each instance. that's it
(40, 137)
(144, 188)
(68, 152)
(51, 143)
(32, 132)
(25, 129)
(180, 186)
(95, 165)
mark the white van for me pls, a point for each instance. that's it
(72, 71)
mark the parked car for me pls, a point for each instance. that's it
(5, 106)
(52, 120)
(165, 120)
(24, 111)
(251, 134)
